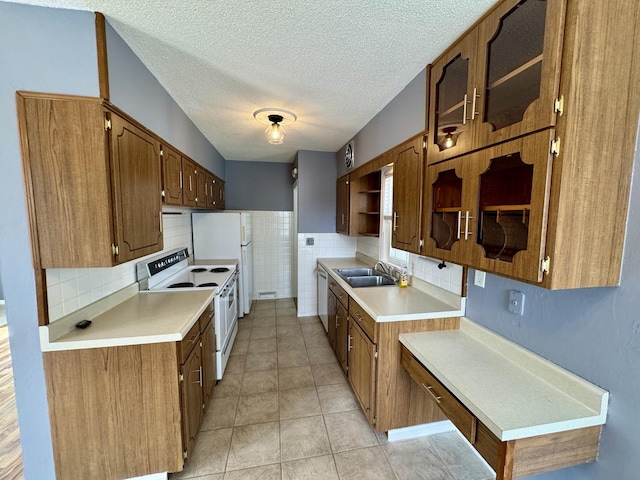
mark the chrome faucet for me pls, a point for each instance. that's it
(383, 267)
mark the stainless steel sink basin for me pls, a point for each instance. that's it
(356, 272)
(370, 281)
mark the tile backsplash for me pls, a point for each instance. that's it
(69, 289)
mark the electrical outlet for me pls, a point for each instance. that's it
(479, 278)
(310, 241)
(516, 302)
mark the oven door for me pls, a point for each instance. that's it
(231, 303)
(221, 323)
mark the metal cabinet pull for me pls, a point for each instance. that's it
(180, 179)
(358, 317)
(464, 109)
(199, 371)
(473, 104)
(395, 221)
(349, 347)
(429, 389)
(467, 233)
(459, 224)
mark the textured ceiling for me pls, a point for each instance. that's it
(336, 64)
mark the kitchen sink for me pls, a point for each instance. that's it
(364, 277)
(370, 281)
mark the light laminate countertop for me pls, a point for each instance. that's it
(129, 318)
(514, 392)
(391, 303)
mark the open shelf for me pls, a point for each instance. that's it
(505, 208)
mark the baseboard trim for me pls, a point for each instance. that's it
(422, 430)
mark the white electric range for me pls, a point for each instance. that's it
(171, 271)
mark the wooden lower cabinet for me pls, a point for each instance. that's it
(332, 325)
(362, 368)
(192, 397)
(341, 335)
(208, 362)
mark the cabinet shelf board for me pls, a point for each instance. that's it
(452, 109)
(369, 213)
(369, 234)
(447, 209)
(515, 72)
(505, 208)
(370, 191)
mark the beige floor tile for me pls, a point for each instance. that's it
(264, 313)
(459, 456)
(292, 358)
(209, 454)
(295, 342)
(243, 335)
(262, 345)
(297, 403)
(266, 320)
(264, 305)
(263, 332)
(229, 386)
(295, 377)
(310, 320)
(289, 331)
(349, 430)
(285, 303)
(261, 361)
(286, 319)
(319, 356)
(311, 329)
(337, 398)
(257, 408)
(235, 364)
(291, 311)
(268, 472)
(328, 374)
(317, 340)
(316, 468)
(254, 445)
(417, 455)
(245, 323)
(303, 438)
(240, 347)
(259, 382)
(221, 413)
(365, 464)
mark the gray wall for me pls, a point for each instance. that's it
(136, 91)
(594, 333)
(316, 192)
(258, 186)
(402, 118)
(46, 50)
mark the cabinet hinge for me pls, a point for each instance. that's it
(558, 105)
(421, 243)
(115, 249)
(374, 420)
(163, 194)
(555, 147)
(107, 123)
(203, 407)
(424, 144)
(545, 264)
(181, 377)
(161, 153)
(185, 455)
(375, 355)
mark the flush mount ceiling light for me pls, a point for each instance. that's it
(449, 139)
(276, 118)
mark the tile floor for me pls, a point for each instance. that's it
(284, 410)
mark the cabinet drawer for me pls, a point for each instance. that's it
(206, 316)
(188, 342)
(339, 292)
(462, 418)
(363, 319)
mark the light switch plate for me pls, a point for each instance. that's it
(516, 302)
(479, 278)
(310, 241)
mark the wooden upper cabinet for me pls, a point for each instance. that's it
(498, 82)
(342, 205)
(92, 180)
(217, 193)
(202, 189)
(488, 210)
(407, 194)
(171, 176)
(137, 190)
(189, 182)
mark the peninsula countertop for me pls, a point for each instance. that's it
(391, 303)
(129, 318)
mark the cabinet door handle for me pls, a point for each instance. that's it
(459, 224)
(180, 179)
(473, 104)
(349, 347)
(160, 220)
(358, 316)
(467, 233)
(395, 221)
(429, 389)
(342, 218)
(190, 185)
(464, 109)
(199, 372)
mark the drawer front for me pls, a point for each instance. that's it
(206, 316)
(339, 292)
(462, 418)
(363, 319)
(189, 341)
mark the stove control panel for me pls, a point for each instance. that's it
(165, 262)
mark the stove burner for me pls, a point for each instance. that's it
(210, 284)
(181, 285)
(219, 270)
(198, 270)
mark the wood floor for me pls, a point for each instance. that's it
(10, 451)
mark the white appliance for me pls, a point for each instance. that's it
(323, 297)
(171, 272)
(227, 235)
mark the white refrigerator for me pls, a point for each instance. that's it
(227, 235)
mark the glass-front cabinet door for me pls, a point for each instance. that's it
(500, 81)
(488, 209)
(520, 70)
(452, 79)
